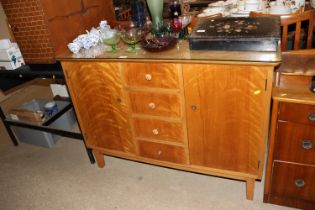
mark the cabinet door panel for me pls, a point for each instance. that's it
(226, 111)
(97, 92)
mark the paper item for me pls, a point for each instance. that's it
(60, 90)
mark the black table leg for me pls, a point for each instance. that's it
(8, 127)
(90, 154)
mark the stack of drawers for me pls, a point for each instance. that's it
(292, 180)
(156, 102)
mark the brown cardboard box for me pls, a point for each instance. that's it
(27, 115)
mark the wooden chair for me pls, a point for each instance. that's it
(294, 19)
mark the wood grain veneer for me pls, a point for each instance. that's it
(211, 116)
(300, 114)
(285, 185)
(159, 129)
(96, 90)
(290, 169)
(163, 152)
(157, 104)
(289, 144)
(229, 117)
(154, 75)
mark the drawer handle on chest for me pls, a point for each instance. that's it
(155, 131)
(307, 144)
(152, 105)
(311, 117)
(159, 152)
(148, 77)
(299, 182)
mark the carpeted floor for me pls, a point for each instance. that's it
(33, 177)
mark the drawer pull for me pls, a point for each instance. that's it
(307, 144)
(159, 152)
(311, 117)
(299, 182)
(148, 77)
(155, 131)
(152, 105)
(194, 107)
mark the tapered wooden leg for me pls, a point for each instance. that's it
(99, 158)
(250, 187)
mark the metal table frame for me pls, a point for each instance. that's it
(44, 127)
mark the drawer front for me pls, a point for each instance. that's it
(295, 143)
(299, 113)
(158, 129)
(155, 104)
(157, 75)
(293, 181)
(162, 152)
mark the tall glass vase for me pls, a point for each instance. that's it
(156, 12)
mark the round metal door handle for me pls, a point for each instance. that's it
(307, 144)
(311, 117)
(299, 182)
(194, 107)
(152, 105)
(159, 152)
(155, 131)
(148, 77)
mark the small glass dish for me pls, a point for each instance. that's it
(111, 38)
(158, 44)
(131, 36)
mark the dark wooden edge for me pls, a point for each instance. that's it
(289, 201)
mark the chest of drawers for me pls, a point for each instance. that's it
(290, 178)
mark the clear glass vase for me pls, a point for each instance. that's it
(156, 12)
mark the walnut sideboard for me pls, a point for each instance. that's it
(200, 111)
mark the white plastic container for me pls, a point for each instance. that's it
(40, 138)
(5, 44)
(11, 58)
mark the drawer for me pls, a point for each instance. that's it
(293, 181)
(155, 104)
(156, 75)
(295, 143)
(299, 113)
(164, 152)
(158, 129)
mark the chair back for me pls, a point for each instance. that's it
(294, 19)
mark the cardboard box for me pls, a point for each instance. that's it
(27, 115)
(11, 58)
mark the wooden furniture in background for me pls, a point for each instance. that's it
(43, 28)
(296, 21)
(290, 170)
(202, 115)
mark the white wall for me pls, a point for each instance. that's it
(4, 29)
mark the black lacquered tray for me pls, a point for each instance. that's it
(240, 34)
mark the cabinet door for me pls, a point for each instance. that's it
(227, 109)
(97, 93)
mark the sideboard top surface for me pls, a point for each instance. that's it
(180, 53)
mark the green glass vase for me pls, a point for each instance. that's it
(156, 12)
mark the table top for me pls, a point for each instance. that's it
(294, 93)
(180, 52)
